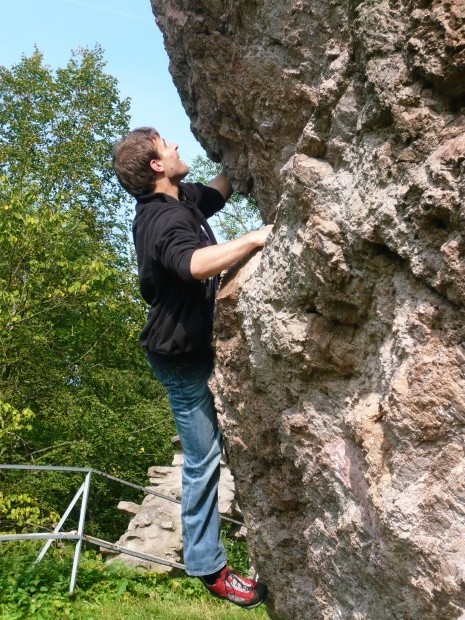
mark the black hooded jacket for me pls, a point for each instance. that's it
(166, 233)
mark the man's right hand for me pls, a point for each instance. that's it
(212, 260)
(262, 234)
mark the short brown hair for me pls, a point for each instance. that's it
(131, 160)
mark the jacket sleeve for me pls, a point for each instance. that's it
(175, 240)
(208, 199)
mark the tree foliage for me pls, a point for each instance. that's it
(75, 388)
(239, 216)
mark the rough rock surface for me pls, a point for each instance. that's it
(155, 525)
(341, 347)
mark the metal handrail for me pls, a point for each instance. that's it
(144, 556)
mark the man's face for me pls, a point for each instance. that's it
(172, 165)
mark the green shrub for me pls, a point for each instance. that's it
(236, 551)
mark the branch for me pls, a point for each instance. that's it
(54, 447)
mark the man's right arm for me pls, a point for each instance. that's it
(212, 260)
(222, 183)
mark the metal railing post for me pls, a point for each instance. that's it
(61, 522)
(82, 519)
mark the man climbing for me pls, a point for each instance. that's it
(178, 264)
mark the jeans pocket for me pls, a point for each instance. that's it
(192, 374)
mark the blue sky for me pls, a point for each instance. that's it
(133, 47)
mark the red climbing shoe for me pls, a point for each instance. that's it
(239, 590)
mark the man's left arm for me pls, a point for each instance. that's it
(222, 184)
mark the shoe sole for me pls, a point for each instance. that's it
(245, 606)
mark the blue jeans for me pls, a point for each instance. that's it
(194, 414)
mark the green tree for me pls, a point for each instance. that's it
(241, 213)
(75, 388)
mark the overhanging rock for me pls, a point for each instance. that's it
(341, 346)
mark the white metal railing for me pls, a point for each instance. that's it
(79, 535)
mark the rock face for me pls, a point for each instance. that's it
(341, 347)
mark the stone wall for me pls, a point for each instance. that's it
(341, 347)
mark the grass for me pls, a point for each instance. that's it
(180, 609)
(103, 592)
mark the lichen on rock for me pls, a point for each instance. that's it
(341, 347)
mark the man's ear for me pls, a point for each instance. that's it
(156, 165)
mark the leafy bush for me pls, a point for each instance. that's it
(20, 509)
(12, 421)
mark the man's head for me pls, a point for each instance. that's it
(142, 159)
